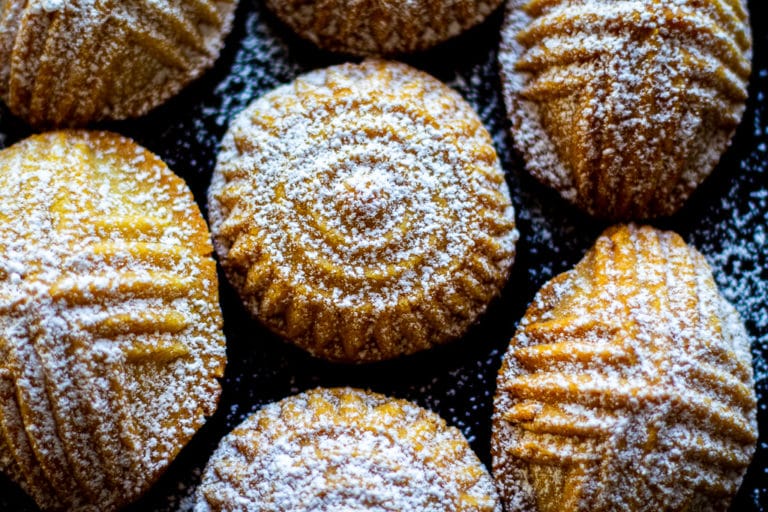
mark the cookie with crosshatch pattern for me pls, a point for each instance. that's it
(624, 106)
(361, 212)
(111, 336)
(70, 62)
(628, 386)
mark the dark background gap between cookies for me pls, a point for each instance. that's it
(727, 219)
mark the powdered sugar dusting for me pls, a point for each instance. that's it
(86, 60)
(381, 27)
(111, 336)
(262, 63)
(624, 107)
(344, 449)
(634, 368)
(457, 380)
(366, 191)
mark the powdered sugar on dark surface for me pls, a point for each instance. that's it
(726, 219)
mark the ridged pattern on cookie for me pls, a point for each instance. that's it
(628, 385)
(361, 212)
(380, 27)
(625, 106)
(69, 62)
(110, 327)
(345, 449)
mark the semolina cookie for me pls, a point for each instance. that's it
(624, 106)
(361, 212)
(328, 450)
(111, 336)
(628, 386)
(380, 27)
(70, 62)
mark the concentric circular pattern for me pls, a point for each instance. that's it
(361, 212)
(628, 386)
(110, 328)
(625, 106)
(345, 449)
(69, 62)
(380, 27)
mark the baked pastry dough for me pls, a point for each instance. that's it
(380, 27)
(628, 386)
(69, 62)
(361, 212)
(624, 106)
(344, 449)
(110, 327)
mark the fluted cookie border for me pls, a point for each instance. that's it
(361, 212)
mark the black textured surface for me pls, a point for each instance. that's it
(727, 219)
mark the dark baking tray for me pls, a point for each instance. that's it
(727, 219)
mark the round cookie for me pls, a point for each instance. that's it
(111, 336)
(628, 386)
(376, 27)
(345, 449)
(70, 62)
(361, 212)
(624, 107)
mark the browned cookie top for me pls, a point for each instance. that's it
(70, 62)
(361, 212)
(380, 27)
(344, 449)
(628, 386)
(624, 106)
(110, 327)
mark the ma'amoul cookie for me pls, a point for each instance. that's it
(344, 449)
(624, 106)
(628, 386)
(110, 328)
(361, 212)
(69, 62)
(380, 27)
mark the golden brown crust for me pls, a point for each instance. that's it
(345, 449)
(628, 385)
(70, 62)
(361, 212)
(380, 27)
(624, 107)
(110, 328)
